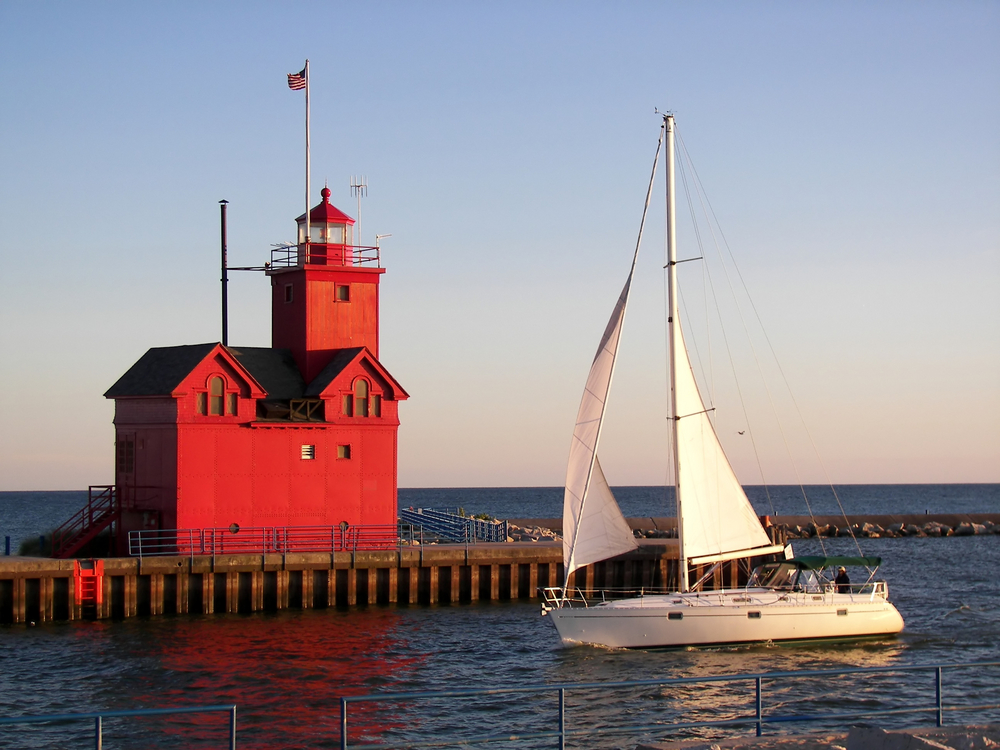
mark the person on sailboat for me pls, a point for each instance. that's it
(843, 581)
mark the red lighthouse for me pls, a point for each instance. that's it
(300, 434)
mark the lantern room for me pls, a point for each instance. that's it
(331, 235)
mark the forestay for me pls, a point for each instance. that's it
(593, 526)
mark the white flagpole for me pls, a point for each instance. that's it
(308, 202)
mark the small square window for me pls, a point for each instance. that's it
(308, 452)
(343, 293)
(289, 296)
(343, 451)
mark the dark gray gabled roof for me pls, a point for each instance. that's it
(159, 371)
(274, 369)
(340, 360)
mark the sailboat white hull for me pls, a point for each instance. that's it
(724, 617)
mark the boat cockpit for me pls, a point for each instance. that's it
(786, 576)
(806, 574)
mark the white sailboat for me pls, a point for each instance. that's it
(785, 600)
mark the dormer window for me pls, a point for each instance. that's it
(361, 398)
(217, 401)
(361, 402)
(216, 396)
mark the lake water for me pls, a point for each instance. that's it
(287, 670)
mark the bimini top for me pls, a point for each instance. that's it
(818, 563)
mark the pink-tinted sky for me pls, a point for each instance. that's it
(850, 151)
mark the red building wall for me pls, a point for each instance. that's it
(257, 477)
(197, 470)
(314, 322)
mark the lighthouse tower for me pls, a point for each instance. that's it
(327, 297)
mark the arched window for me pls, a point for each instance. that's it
(361, 398)
(362, 402)
(216, 396)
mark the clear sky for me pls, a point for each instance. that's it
(851, 151)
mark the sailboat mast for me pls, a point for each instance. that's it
(674, 321)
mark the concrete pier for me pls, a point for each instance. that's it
(37, 590)
(40, 590)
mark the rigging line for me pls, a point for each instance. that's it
(711, 417)
(694, 341)
(784, 378)
(722, 328)
(712, 227)
(776, 362)
(620, 326)
(701, 252)
(710, 378)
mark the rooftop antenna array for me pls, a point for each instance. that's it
(359, 188)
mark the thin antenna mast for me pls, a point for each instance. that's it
(359, 187)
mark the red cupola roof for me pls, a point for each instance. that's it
(326, 212)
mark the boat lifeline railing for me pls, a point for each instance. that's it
(757, 716)
(259, 540)
(99, 717)
(556, 596)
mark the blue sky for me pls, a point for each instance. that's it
(850, 152)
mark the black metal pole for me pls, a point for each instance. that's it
(225, 278)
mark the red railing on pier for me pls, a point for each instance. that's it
(271, 540)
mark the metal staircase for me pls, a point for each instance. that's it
(102, 509)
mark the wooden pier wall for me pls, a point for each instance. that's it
(40, 590)
(37, 590)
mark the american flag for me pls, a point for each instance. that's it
(297, 81)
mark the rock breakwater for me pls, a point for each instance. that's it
(796, 527)
(899, 529)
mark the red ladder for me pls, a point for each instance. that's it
(88, 583)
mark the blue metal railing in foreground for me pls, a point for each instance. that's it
(453, 526)
(99, 717)
(757, 715)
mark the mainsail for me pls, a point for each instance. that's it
(716, 517)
